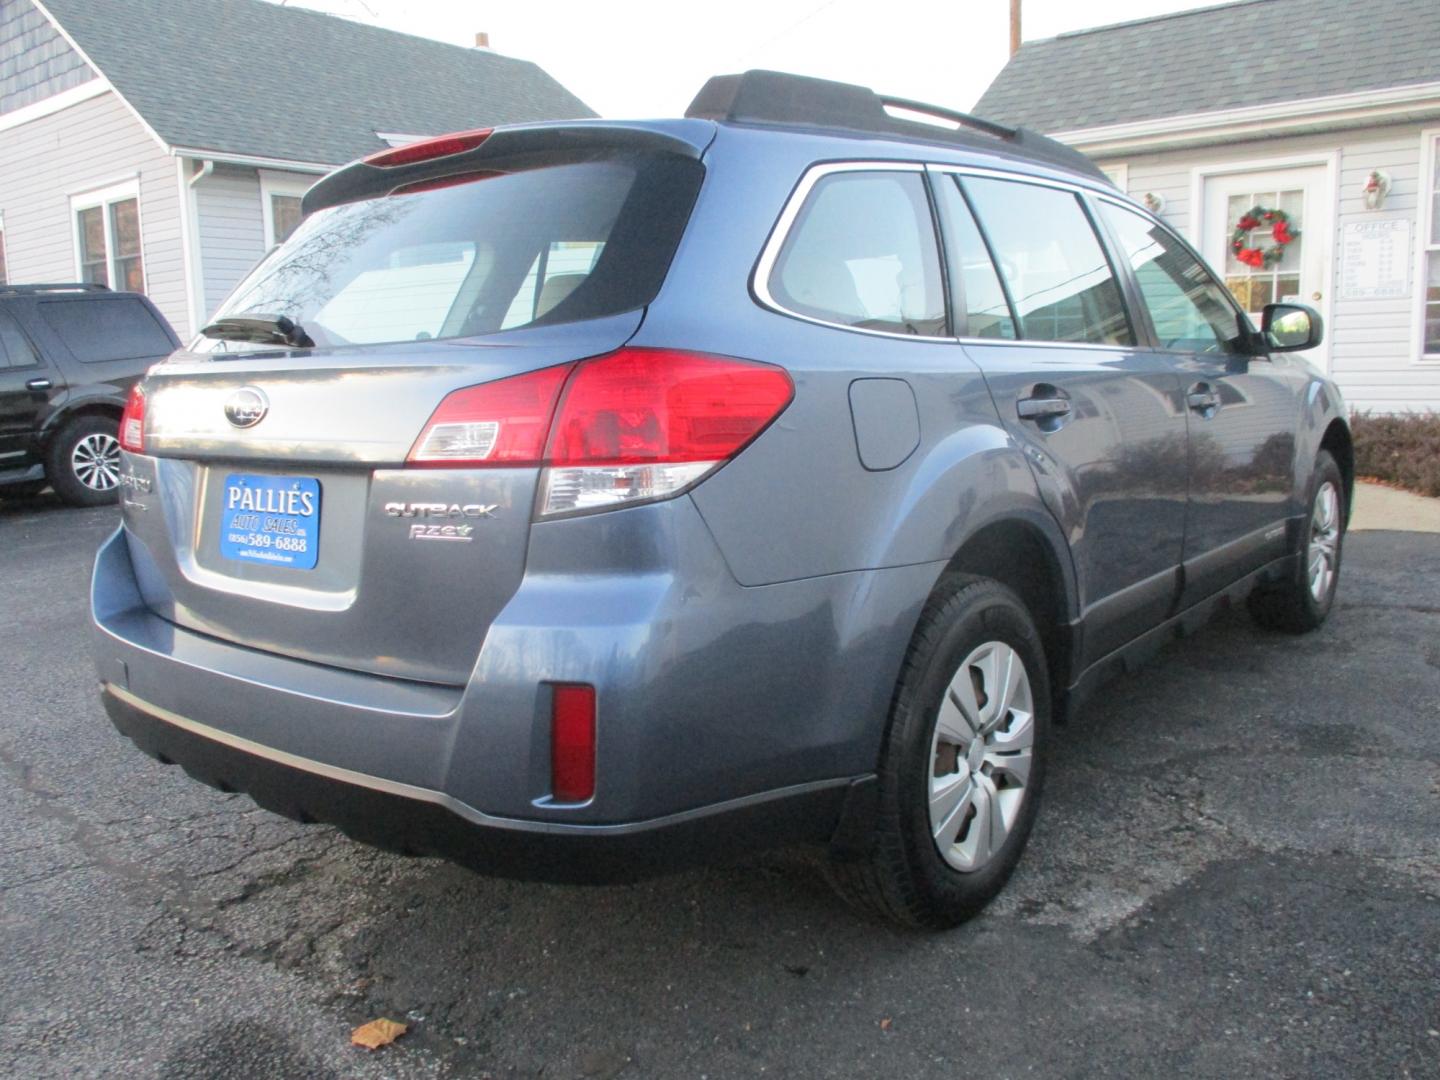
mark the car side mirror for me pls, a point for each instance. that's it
(1291, 327)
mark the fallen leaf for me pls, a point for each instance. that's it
(377, 1033)
(885, 1024)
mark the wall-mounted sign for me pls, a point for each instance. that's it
(1375, 259)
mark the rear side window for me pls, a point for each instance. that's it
(119, 328)
(1189, 309)
(982, 310)
(15, 350)
(862, 253)
(1060, 282)
(552, 244)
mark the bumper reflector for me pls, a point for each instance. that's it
(572, 743)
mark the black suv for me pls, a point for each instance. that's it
(68, 356)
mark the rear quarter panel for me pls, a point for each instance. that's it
(799, 502)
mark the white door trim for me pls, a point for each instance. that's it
(1429, 160)
(1330, 205)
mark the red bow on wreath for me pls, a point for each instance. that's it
(1255, 218)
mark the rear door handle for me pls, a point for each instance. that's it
(1042, 408)
(38, 384)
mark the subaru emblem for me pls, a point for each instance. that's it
(247, 407)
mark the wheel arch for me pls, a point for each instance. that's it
(1027, 554)
(1338, 441)
(63, 417)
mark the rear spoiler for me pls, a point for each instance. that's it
(505, 150)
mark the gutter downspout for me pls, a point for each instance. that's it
(190, 228)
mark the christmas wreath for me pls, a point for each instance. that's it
(1261, 217)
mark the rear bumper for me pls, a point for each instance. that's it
(415, 821)
(730, 718)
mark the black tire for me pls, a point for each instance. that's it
(76, 487)
(1292, 606)
(901, 875)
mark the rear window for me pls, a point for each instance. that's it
(109, 328)
(547, 245)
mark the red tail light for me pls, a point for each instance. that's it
(427, 149)
(638, 406)
(496, 423)
(572, 743)
(132, 421)
(633, 425)
(644, 424)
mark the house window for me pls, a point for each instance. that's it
(107, 238)
(280, 195)
(1430, 305)
(285, 214)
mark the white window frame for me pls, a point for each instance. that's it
(105, 197)
(1429, 184)
(1119, 173)
(279, 183)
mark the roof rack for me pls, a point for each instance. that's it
(54, 286)
(774, 97)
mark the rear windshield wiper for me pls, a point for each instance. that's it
(260, 330)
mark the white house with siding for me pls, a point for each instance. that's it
(163, 145)
(1326, 110)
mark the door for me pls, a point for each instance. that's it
(1242, 409)
(1293, 270)
(26, 385)
(1100, 419)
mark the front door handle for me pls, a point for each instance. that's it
(38, 384)
(1042, 408)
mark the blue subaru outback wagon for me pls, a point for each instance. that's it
(582, 500)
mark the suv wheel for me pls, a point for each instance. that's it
(1302, 603)
(962, 764)
(83, 464)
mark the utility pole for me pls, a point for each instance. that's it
(1014, 27)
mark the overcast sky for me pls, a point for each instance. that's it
(645, 58)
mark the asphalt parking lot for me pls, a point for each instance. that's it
(1237, 872)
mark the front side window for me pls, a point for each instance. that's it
(862, 253)
(1060, 282)
(107, 234)
(554, 244)
(1187, 306)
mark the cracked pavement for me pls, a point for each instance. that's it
(1237, 870)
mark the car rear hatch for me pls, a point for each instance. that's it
(296, 484)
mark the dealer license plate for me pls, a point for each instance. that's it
(271, 519)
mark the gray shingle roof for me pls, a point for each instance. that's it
(252, 78)
(1207, 60)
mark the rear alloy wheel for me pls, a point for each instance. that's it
(84, 461)
(1302, 603)
(962, 763)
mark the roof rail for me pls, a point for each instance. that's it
(774, 97)
(54, 286)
